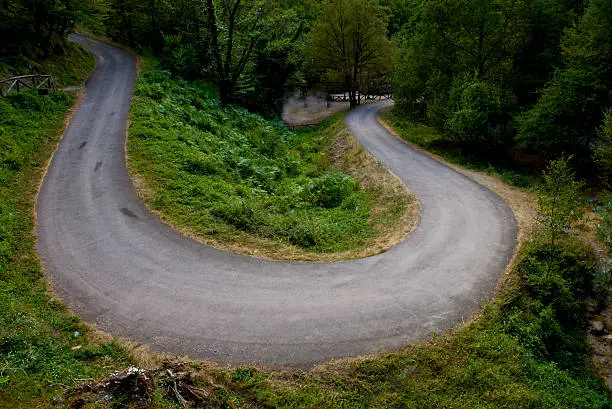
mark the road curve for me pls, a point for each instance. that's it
(119, 267)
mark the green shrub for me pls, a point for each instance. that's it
(547, 312)
(331, 189)
(478, 113)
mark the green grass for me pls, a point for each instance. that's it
(431, 140)
(36, 331)
(231, 176)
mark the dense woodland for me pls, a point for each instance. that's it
(522, 81)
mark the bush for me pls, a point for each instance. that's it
(331, 189)
(240, 213)
(547, 311)
(179, 57)
(479, 113)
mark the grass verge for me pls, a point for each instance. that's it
(42, 346)
(430, 139)
(233, 180)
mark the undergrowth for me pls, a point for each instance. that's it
(229, 175)
(70, 68)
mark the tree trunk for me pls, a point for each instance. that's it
(225, 91)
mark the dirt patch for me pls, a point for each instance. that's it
(311, 110)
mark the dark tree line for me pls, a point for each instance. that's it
(519, 76)
(244, 46)
(38, 28)
(500, 77)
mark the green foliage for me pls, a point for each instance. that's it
(454, 41)
(179, 57)
(571, 106)
(547, 312)
(349, 40)
(474, 69)
(226, 172)
(480, 114)
(559, 200)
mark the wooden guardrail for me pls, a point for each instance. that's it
(25, 82)
(361, 97)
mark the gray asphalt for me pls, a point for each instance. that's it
(119, 267)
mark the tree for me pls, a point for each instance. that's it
(235, 28)
(349, 38)
(457, 39)
(480, 113)
(571, 107)
(558, 202)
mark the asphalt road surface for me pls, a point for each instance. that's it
(119, 267)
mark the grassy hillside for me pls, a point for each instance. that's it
(240, 182)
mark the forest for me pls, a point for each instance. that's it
(522, 82)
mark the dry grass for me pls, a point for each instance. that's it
(347, 154)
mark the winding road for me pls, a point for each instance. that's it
(118, 266)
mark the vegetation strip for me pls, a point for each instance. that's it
(236, 181)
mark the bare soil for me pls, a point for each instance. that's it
(311, 110)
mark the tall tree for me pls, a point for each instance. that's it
(457, 39)
(235, 28)
(348, 38)
(571, 107)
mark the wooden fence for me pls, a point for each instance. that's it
(26, 82)
(361, 97)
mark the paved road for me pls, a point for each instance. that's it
(116, 265)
